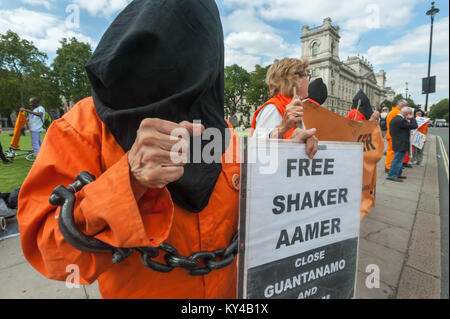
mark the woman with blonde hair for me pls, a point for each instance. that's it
(288, 83)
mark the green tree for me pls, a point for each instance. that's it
(258, 91)
(19, 58)
(41, 83)
(237, 81)
(439, 110)
(69, 71)
(410, 102)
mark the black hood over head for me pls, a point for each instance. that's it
(364, 107)
(317, 91)
(163, 59)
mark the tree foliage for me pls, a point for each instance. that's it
(69, 71)
(439, 110)
(25, 74)
(258, 91)
(237, 81)
(21, 64)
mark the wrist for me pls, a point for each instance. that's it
(277, 132)
(282, 129)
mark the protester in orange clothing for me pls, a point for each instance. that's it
(390, 151)
(364, 111)
(158, 68)
(280, 115)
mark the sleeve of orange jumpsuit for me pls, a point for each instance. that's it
(106, 208)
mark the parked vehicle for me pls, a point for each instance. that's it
(440, 123)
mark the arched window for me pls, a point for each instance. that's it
(315, 48)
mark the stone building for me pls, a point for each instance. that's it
(320, 45)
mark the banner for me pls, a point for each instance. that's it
(333, 127)
(20, 123)
(299, 221)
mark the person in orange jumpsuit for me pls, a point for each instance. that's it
(364, 112)
(390, 151)
(158, 68)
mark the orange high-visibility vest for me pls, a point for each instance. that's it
(280, 101)
(107, 210)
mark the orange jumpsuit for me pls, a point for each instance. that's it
(359, 115)
(390, 152)
(107, 209)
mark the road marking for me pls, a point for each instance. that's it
(444, 155)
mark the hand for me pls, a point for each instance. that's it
(151, 158)
(292, 116)
(308, 137)
(374, 116)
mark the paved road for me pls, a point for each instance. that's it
(443, 171)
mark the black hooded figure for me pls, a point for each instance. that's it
(164, 59)
(317, 91)
(364, 106)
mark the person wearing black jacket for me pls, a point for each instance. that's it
(2, 156)
(399, 128)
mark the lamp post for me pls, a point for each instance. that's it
(406, 90)
(432, 12)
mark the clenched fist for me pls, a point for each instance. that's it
(154, 158)
(292, 116)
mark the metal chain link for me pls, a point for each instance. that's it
(212, 260)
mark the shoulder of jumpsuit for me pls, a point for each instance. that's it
(84, 120)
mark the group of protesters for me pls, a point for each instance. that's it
(122, 136)
(400, 122)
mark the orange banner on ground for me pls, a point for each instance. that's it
(333, 127)
(20, 123)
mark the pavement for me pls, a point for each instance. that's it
(401, 235)
(399, 241)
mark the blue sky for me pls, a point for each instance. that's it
(392, 34)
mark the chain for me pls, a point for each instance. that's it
(212, 260)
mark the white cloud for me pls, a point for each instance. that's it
(250, 48)
(413, 74)
(353, 17)
(103, 8)
(415, 42)
(245, 19)
(43, 29)
(44, 3)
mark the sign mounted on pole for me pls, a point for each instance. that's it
(299, 220)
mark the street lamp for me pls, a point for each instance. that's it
(432, 12)
(406, 90)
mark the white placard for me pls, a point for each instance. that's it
(299, 223)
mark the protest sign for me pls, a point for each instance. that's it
(418, 138)
(334, 127)
(299, 221)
